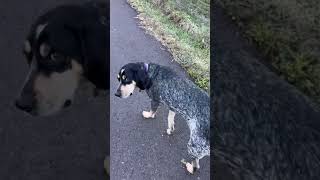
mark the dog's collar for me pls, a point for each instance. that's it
(146, 66)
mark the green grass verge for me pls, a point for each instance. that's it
(185, 36)
(288, 33)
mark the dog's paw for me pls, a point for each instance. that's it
(148, 114)
(169, 131)
(190, 168)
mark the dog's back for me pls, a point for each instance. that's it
(180, 94)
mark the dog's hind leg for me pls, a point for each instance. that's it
(195, 163)
(198, 147)
(193, 166)
(152, 112)
(170, 122)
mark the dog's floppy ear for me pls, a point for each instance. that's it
(142, 79)
(79, 32)
(92, 52)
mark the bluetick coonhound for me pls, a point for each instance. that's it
(181, 95)
(64, 45)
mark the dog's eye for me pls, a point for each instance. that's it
(44, 49)
(124, 77)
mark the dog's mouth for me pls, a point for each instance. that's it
(119, 95)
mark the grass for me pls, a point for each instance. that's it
(287, 32)
(185, 35)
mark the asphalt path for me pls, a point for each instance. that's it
(69, 145)
(140, 148)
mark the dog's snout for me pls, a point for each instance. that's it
(23, 105)
(118, 93)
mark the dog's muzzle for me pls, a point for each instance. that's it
(118, 93)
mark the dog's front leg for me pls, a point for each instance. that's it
(170, 122)
(152, 112)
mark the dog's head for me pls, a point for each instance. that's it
(61, 50)
(130, 76)
(53, 54)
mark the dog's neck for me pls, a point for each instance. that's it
(152, 70)
(146, 68)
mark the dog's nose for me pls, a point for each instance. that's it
(23, 106)
(67, 103)
(118, 93)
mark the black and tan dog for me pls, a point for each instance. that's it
(65, 45)
(181, 95)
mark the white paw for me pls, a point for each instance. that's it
(170, 130)
(148, 114)
(189, 168)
